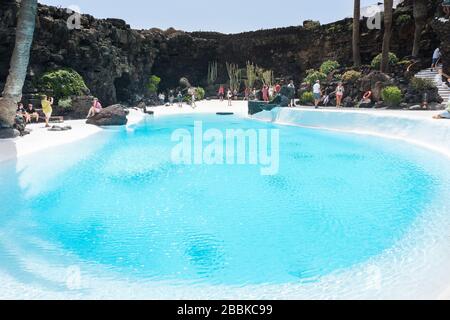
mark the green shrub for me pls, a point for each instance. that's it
(199, 93)
(65, 103)
(351, 76)
(153, 84)
(403, 19)
(422, 84)
(311, 24)
(63, 83)
(392, 96)
(307, 98)
(376, 62)
(313, 76)
(329, 66)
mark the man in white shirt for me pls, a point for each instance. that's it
(436, 57)
(317, 93)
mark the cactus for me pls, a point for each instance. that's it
(212, 72)
(234, 73)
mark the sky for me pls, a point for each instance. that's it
(229, 16)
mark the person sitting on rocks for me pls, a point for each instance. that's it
(95, 108)
(32, 113)
(366, 99)
(446, 7)
(21, 112)
(439, 82)
(445, 114)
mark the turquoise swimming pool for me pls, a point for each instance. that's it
(337, 201)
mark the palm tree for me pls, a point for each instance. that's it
(12, 92)
(356, 33)
(388, 5)
(420, 16)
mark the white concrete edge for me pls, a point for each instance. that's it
(415, 128)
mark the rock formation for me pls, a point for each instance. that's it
(116, 61)
(114, 115)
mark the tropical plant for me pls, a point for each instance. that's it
(12, 92)
(385, 55)
(313, 76)
(266, 76)
(212, 72)
(329, 66)
(252, 76)
(351, 76)
(307, 98)
(403, 19)
(234, 73)
(356, 33)
(199, 93)
(420, 17)
(65, 103)
(153, 84)
(392, 96)
(376, 62)
(63, 83)
(422, 84)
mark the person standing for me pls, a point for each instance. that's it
(265, 93)
(47, 103)
(277, 88)
(230, 97)
(171, 97)
(180, 99)
(291, 87)
(436, 58)
(247, 94)
(193, 104)
(317, 91)
(221, 93)
(339, 94)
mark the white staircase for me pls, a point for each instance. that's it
(444, 92)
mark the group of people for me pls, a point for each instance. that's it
(267, 93)
(230, 95)
(30, 114)
(179, 98)
(319, 95)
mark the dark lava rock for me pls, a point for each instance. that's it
(114, 115)
(116, 61)
(6, 133)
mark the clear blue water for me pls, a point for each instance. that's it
(338, 200)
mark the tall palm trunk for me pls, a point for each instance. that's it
(12, 92)
(420, 16)
(356, 33)
(388, 5)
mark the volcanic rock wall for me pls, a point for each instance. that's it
(116, 61)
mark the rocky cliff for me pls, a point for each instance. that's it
(116, 61)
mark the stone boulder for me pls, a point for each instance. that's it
(375, 81)
(6, 133)
(114, 115)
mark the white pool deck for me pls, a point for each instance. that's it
(416, 127)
